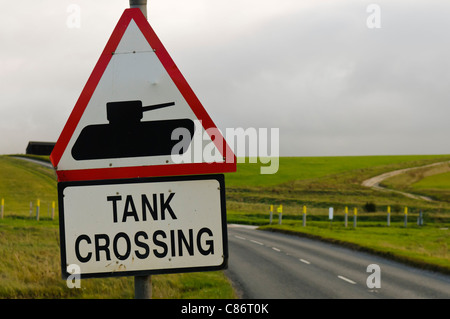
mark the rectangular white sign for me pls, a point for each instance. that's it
(143, 226)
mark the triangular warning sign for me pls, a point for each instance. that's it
(137, 116)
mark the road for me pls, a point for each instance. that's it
(28, 159)
(264, 264)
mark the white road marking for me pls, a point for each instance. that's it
(347, 280)
(304, 261)
(239, 237)
(256, 242)
(276, 249)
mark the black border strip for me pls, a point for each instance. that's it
(219, 177)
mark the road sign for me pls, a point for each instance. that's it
(137, 116)
(143, 226)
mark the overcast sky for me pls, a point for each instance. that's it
(313, 69)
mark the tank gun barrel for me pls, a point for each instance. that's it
(156, 106)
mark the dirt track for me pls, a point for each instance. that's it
(374, 182)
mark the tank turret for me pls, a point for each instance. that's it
(127, 135)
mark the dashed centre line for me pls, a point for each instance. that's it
(274, 248)
(300, 259)
(347, 280)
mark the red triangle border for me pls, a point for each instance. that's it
(182, 85)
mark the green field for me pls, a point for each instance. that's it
(320, 182)
(29, 249)
(440, 181)
(308, 168)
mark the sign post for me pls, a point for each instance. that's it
(141, 4)
(142, 284)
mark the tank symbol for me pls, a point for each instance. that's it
(127, 136)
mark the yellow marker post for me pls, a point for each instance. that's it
(53, 210)
(389, 215)
(355, 211)
(3, 207)
(406, 217)
(304, 216)
(280, 213)
(38, 206)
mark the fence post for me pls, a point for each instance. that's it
(271, 214)
(406, 217)
(304, 216)
(389, 216)
(38, 205)
(280, 213)
(330, 215)
(346, 216)
(420, 219)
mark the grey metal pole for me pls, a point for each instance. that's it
(142, 287)
(37, 209)
(141, 4)
(346, 216)
(142, 284)
(420, 219)
(406, 217)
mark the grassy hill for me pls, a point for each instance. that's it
(23, 182)
(308, 168)
(320, 182)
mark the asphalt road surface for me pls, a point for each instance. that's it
(265, 264)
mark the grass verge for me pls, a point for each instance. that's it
(30, 268)
(425, 247)
(30, 254)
